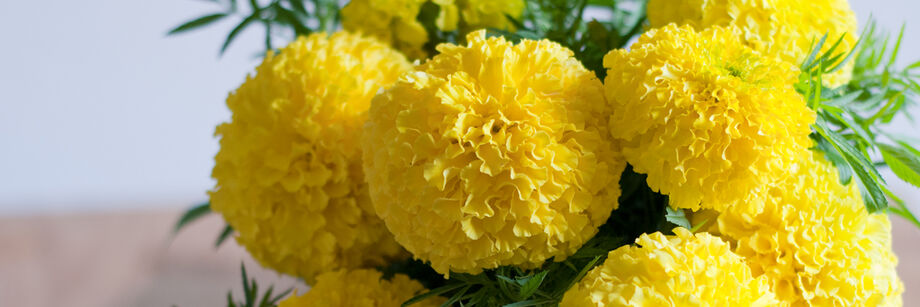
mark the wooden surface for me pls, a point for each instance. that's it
(130, 259)
(119, 260)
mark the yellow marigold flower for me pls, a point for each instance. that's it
(478, 14)
(395, 22)
(360, 288)
(815, 241)
(783, 28)
(493, 154)
(289, 177)
(391, 21)
(681, 270)
(703, 115)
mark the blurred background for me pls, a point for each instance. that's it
(106, 136)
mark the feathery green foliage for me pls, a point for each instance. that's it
(852, 127)
(285, 18)
(251, 295)
(568, 23)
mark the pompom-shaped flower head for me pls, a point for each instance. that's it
(787, 29)
(681, 270)
(703, 115)
(289, 177)
(360, 288)
(492, 154)
(815, 240)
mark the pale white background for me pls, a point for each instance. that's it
(100, 111)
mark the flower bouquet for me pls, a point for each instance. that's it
(573, 153)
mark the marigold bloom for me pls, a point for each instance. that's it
(783, 28)
(706, 117)
(815, 240)
(395, 22)
(681, 270)
(289, 176)
(360, 288)
(478, 14)
(493, 154)
(391, 21)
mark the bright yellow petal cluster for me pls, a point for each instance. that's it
(396, 21)
(493, 154)
(479, 14)
(289, 177)
(703, 115)
(783, 28)
(815, 240)
(681, 270)
(391, 21)
(360, 288)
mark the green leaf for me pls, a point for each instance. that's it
(897, 47)
(531, 303)
(291, 18)
(845, 100)
(809, 62)
(853, 156)
(604, 3)
(532, 284)
(191, 215)
(892, 108)
(699, 226)
(265, 298)
(914, 65)
(906, 146)
(841, 63)
(197, 23)
(236, 31)
(456, 297)
(864, 134)
(434, 292)
(477, 298)
(869, 177)
(503, 285)
(228, 230)
(905, 213)
(274, 300)
(268, 35)
(677, 217)
(515, 22)
(581, 274)
(298, 6)
(843, 168)
(871, 191)
(903, 163)
(247, 289)
(901, 209)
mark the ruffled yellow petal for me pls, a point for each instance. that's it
(706, 117)
(681, 270)
(289, 177)
(493, 154)
(782, 28)
(360, 288)
(815, 241)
